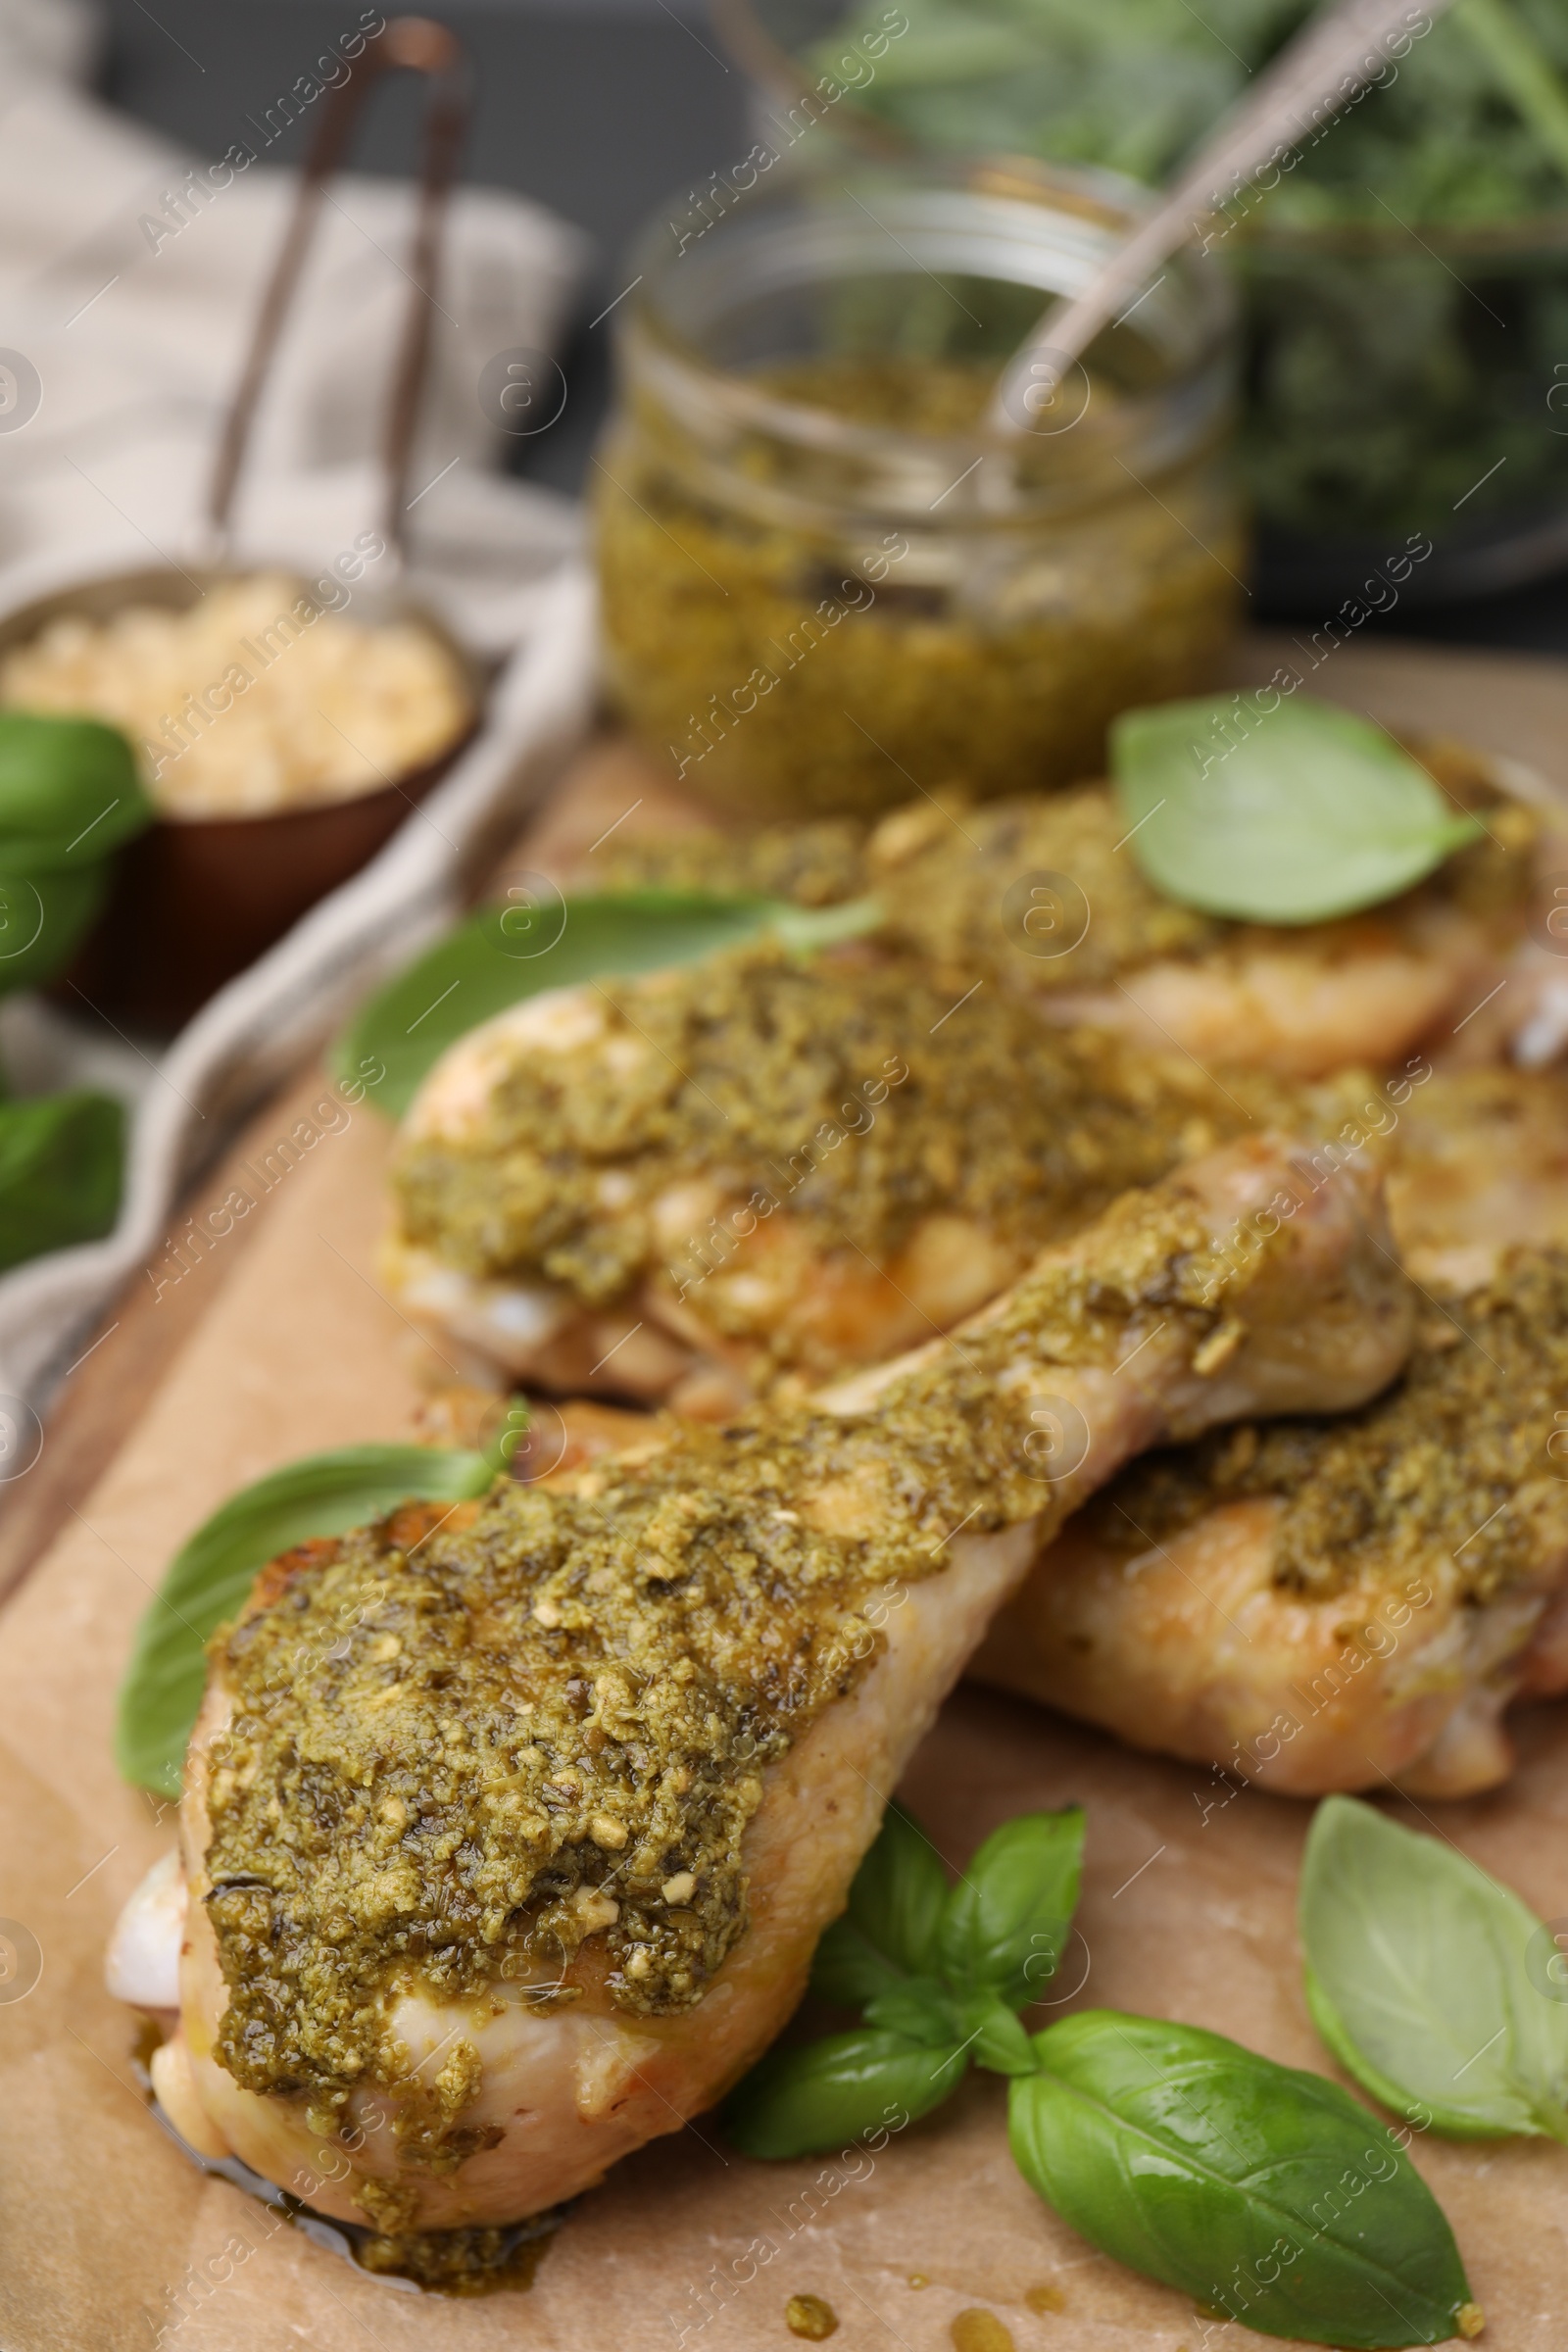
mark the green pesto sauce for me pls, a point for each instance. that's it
(1451, 1462)
(861, 1092)
(946, 885)
(459, 2262)
(945, 870)
(755, 594)
(453, 1759)
(819, 861)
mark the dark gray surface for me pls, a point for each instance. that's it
(599, 111)
(599, 108)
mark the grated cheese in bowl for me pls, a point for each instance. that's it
(259, 698)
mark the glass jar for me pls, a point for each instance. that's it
(826, 583)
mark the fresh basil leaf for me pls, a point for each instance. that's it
(69, 791)
(1000, 2043)
(43, 913)
(1289, 814)
(62, 1159)
(1004, 1926)
(1418, 1979)
(1331, 2034)
(899, 1893)
(1263, 2193)
(210, 1575)
(499, 1449)
(848, 1970)
(797, 2101)
(920, 2010)
(488, 963)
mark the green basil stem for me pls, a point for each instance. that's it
(513, 1427)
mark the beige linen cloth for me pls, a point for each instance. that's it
(128, 280)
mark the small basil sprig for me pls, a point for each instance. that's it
(507, 953)
(69, 797)
(1429, 1981)
(1290, 812)
(67, 788)
(211, 1573)
(1267, 2194)
(61, 1163)
(938, 1972)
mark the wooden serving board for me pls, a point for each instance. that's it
(279, 1343)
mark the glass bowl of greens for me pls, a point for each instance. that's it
(1405, 278)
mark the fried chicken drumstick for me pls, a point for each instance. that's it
(508, 1837)
(1041, 894)
(758, 1170)
(1334, 1604)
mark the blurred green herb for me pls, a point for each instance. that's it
(1135, 84)
(1268, 2195)
(1429, 1981)
(505, 954)
(68, 799)
(1405, 293)
(1521, 69)
(61, 1162)
(211, 1573)
(1289, 813)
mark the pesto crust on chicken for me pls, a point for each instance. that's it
(751, 1173)
(1336, 1604)
(1040, 894)
(507, 1839)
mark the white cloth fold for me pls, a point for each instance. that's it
(129, 290)
(130, 274)
(265, 1022)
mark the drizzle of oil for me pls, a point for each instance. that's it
(810, 2317)
(1046, 2298)
(978, 2330)
(916, 2279)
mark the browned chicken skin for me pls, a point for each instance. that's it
(756, 1172)
(1040, 894)
(1338, 1605)
(316, 2034)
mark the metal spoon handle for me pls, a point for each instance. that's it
(423, 47)
(1333, 57)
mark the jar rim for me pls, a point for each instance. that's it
(1002, 193)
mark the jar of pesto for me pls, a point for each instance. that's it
(826, 584)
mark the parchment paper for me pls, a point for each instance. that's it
(108, 2236)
